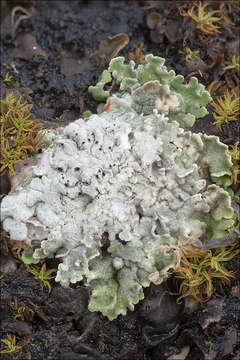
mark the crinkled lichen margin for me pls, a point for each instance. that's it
(157, 88)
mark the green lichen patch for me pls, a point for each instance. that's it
(116, 196)
(188, 100)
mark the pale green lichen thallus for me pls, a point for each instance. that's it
(115, 196)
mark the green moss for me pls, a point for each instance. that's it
(19, 135)
(11, 346)
(202, 271)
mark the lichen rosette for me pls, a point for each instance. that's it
(114, 197)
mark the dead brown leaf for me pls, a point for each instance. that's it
(27, 47)
(28, 13)
(70, 66)
(212, 313)
(236, 291)
(23, 170)
(110, 47)
(161, 25)
(230, 340)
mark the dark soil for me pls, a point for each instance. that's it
(54, 55)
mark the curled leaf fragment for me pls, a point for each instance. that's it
(27, 47)
(28, 13)
(110, 47)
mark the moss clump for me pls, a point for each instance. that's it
(19, 135)
(233, 64)
(206, 21)
(23, 312)
(202, 271)
(11, 346)
(43, 275)
(226, 109)
(235, 155)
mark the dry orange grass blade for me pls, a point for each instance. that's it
(20, 136)
(227, 108)
(199, 270)
(205, 20)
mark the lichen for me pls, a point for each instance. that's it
(152, 82)
(115, 196)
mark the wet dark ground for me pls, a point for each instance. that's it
(54, 54)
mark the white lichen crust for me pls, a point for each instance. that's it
(115, 196)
